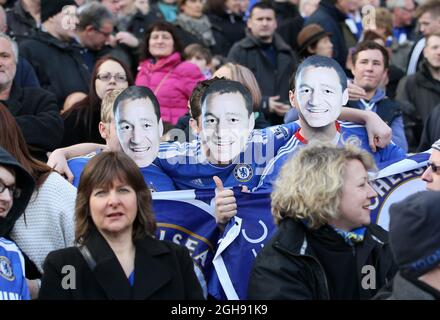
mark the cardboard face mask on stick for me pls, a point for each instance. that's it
(225, 122)
(319, 93)
(138, 129)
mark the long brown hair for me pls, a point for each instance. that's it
(101, 172)
(86, 107)
(12, 140)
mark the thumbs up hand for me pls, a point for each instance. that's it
(225, 203)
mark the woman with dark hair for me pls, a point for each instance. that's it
(46, 223)
(163, 71)
(82, 119)
(117, 256)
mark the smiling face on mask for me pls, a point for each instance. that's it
(138, 130)
(225, 126)
(319, 96)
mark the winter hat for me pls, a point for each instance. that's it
(415, 233)
(49, 8)
(436, 145)
(309, 35)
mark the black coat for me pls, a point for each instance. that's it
(59, 65)
(272, 81)
(21, 24)
(431, 130)
(163, 270)
(227, 29)
(37, 115)
(288, 268)
(331, 20)
(418, 94)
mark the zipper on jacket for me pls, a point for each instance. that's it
(308, 257)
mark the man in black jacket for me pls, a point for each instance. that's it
(331, 15)
(420, 93)
(34, 109)
(58, 63)
(23, 19)
(270, 59)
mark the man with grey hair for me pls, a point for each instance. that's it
(34, 109)
(402, 13)
(93, 31)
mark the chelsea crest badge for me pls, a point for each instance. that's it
(6, 269)
(243, 172)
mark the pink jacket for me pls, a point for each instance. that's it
(175, 90)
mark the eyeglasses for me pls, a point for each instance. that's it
(106, 77)
(433, 166)
(105, 34)
(13, 191)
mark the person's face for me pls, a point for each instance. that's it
(69, 19)
(6, 198)
(108, 133)
(113, 210)
(97, 38)
(199, 62)
(432, 51)
(428, 24)
(138, 130)
(63, 28)
(433, 178)
(161, 44)
(193, 8)
(324, 47)
(8, 65)
(113, 5)
(308, 7)
(369, 69)
(262, 24)
(319, 96)
(354, 209)
(110, 76)
(405, 14)
(225, 125)
(347, 6)
(233, 6)
(142, 5)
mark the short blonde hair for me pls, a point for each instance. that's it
(107, 105)
(310, 184)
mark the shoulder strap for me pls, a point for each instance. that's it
(162, 81)
(88, 257)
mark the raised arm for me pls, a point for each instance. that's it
(58, 158)
(379, 133)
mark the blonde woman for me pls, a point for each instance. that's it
(325, 247)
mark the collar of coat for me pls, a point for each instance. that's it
(330, 8)
(252, 42)
(292, 238)
(425, 79)
(149, 273)
(48, 39)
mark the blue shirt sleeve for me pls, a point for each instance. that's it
(399, 137)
